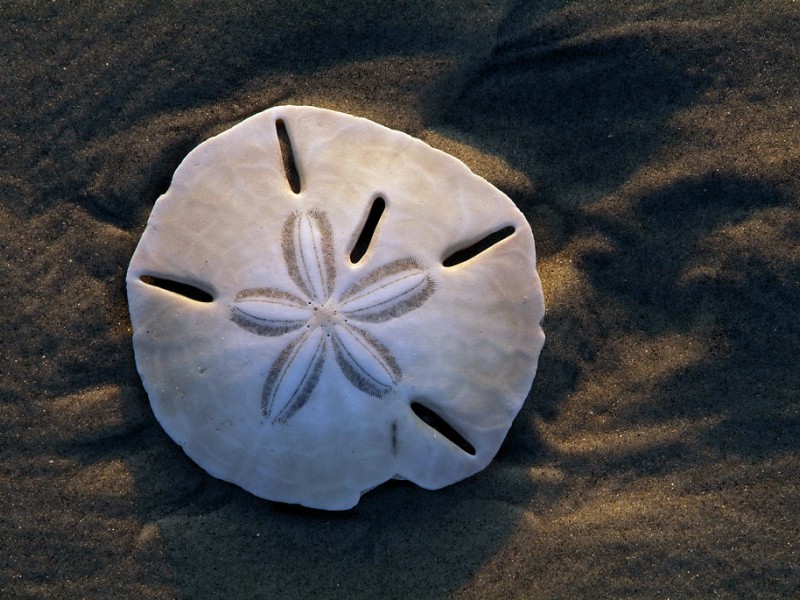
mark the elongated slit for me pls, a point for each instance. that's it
(464, 254)
(368, 231)
(287, 154)
(180, 288)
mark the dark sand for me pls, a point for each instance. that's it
(655, 149)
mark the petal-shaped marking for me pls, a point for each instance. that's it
(366, 363)
(267, 311)
(294, 375)
(307, 244)
(387, 292)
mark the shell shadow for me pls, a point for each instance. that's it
(408, 542)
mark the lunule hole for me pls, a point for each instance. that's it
(177, 287)
(463, 255)
(368, 232)
(289, 166)
(434, 421)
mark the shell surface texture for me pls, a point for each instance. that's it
(320, 304)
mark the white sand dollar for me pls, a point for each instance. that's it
(320, 304)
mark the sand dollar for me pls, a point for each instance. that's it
(320, 304)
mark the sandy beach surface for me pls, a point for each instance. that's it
(653, 146)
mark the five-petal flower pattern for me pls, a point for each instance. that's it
(324, 324)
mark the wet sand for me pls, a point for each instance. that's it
(653, 146)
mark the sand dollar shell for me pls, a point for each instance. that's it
(320, 304)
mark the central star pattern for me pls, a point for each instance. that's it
(322, 324)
